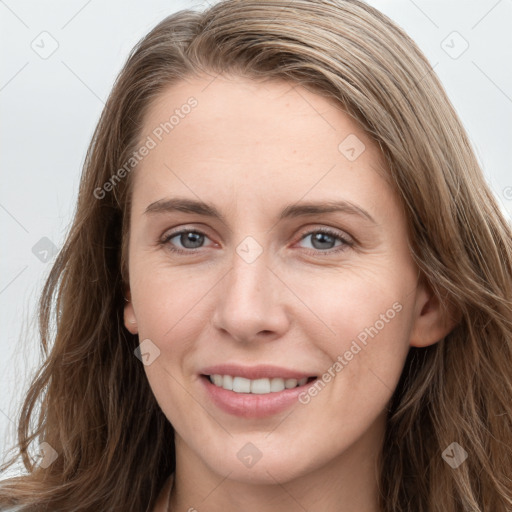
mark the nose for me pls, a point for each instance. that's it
(251, 304)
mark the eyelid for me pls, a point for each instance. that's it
(347, 240)
(168, 235)
(329, 230)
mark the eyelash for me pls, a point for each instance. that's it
(346, 243)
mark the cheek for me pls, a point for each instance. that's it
(356, 304)
(171, 311)
(170, 303)
(364, 331)
(169, 308)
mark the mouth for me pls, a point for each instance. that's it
(253, 392)
(262, 386)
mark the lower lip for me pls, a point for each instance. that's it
(249, 405)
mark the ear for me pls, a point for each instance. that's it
(432, 321)
(130, 322)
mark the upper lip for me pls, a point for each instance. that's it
(255, 372)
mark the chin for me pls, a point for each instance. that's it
(264, 466)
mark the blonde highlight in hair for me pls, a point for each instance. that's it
(115, 445)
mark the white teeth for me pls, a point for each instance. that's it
(241, 385)
(290, 383)
(256, 386)
(260, 386)
(227, 383)
(276, 385)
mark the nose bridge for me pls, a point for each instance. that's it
(250, 301)
(250, 272)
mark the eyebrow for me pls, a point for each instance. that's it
(303, 209)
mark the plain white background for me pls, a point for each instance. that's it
(50, 105)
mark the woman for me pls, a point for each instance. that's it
(211, 352)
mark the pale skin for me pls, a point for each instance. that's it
(251, 149)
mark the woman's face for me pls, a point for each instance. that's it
(263, 289)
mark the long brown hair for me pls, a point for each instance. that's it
(114, 443)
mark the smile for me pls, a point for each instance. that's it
(256, 386)
(253, 391)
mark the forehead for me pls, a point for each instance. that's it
(252, 141)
